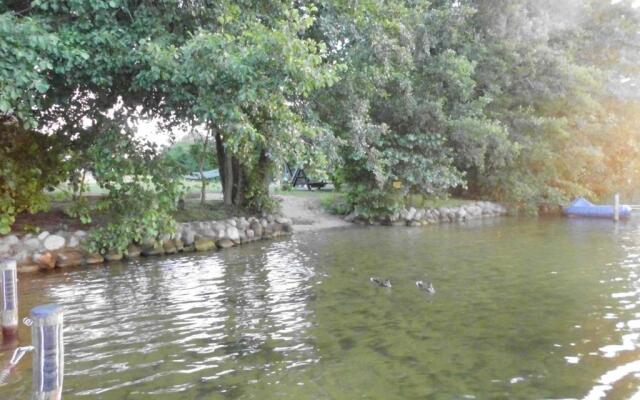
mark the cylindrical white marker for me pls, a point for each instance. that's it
(9, 298)
(48, 352)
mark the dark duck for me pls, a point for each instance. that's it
(386, 283)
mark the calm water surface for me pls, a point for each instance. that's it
(525, 309)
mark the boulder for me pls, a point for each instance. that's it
(11, 240)
(250, 234)
(283, 220)
(267, 231)
(189, 248)
(80, 234)
(461, 214)
(205, 244)
(276, 227)
(474, 211)
(45, 259)
(178, 244)
(169, 246)
(242, 223)
(188, 237)
(73, 242)
(287, 228)
(148, 249)
(231, 222)
(232, 233)
(411, 213)
(32, 244)
(93, 258)
(257, 228)
(69, 258)
(43, 235)
(208, 232)
(224, 243)
(54, 242)
(132, 252)
(5, 248)
(419, 215)
(113, 256)
(404, 214)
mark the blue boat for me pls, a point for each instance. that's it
(583, 208)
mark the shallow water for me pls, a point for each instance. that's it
(524, 309)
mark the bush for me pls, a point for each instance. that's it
(143, 189)
(29, 162)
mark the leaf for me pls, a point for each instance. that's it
(41, 86)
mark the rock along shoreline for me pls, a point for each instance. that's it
(427, 216)
(63, 249)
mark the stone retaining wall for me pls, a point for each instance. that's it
(65, 249)
(426, 216)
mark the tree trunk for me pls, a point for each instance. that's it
(203, 159)
(225, 162)
(228, 180)
(238, 183)
(264, 167)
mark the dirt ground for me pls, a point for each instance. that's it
(306, 212)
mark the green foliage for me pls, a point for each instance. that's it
(188, 155)
(485, 98)
(337, 205)
(29, 162)
(81, 209)
(490, 98)
(142, 191)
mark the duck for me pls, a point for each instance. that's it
(386, 283)
(426, 287)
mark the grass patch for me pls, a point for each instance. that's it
(319, 194)
(420, 201)
(211, 210)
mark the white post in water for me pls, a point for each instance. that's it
(616, 207)
(9, 297)
(48, 352)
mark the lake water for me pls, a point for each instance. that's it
(524, 309)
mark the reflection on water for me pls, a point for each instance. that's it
(524, 308)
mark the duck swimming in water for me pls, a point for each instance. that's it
(426, 287)
(380, 282)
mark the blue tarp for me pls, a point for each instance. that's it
(583, 208)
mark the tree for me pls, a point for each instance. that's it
(261, 73)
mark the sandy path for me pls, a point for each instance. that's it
(306, 213)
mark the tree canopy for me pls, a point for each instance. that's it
(525, 101)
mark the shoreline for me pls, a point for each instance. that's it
(63, 249)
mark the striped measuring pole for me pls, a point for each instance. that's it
(9, 297)
(48, 351)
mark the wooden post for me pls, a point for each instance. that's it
(616, 207)
(48, 354)
(9, 297)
